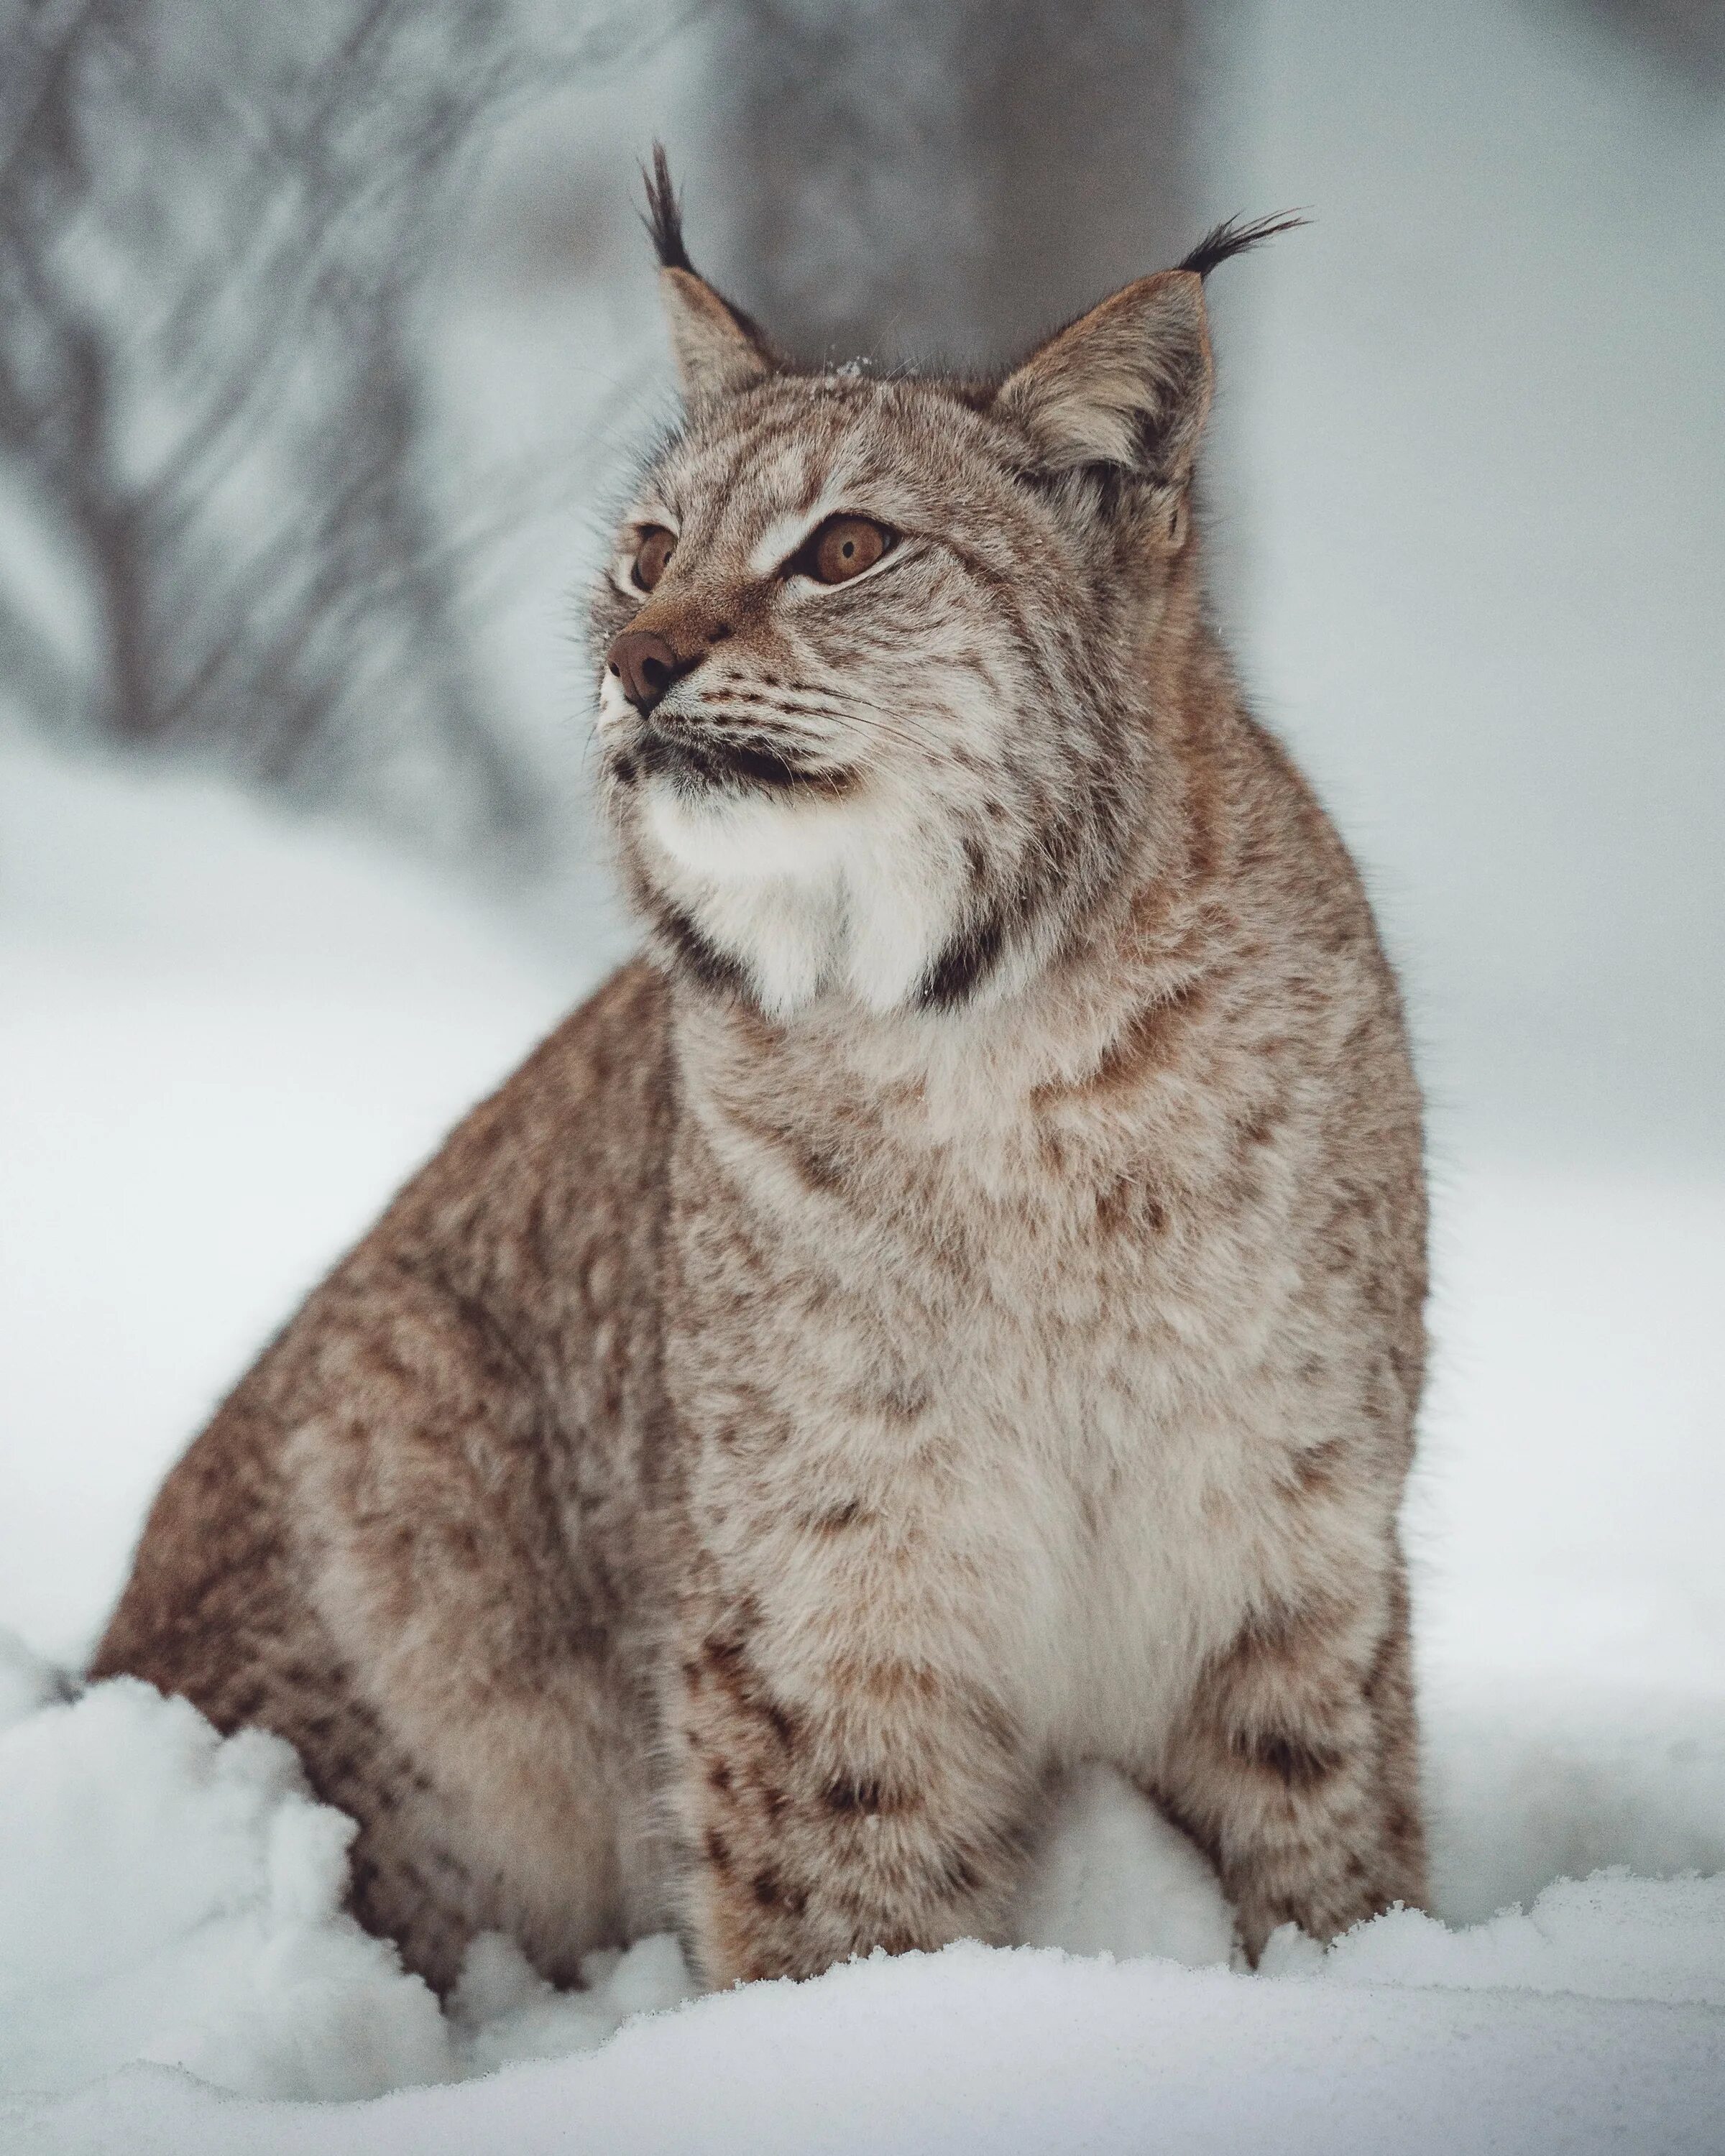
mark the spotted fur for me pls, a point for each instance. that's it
(952, 1311)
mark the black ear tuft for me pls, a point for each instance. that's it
(1233, 237)
(719, 348)
(664, 219)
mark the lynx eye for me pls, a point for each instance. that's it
(843, 547)
(656, 549)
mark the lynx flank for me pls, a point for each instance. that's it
(952, 1311)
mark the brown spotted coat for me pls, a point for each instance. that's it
(952, 1311)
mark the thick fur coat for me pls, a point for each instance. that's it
(950, 1311)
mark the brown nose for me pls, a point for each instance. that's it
(645, 665)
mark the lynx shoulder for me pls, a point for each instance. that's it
(950, 1311)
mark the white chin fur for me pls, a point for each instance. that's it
(810, 893)
(742, 839)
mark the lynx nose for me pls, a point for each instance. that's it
(645, 665)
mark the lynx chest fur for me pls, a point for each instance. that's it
(952, 1311)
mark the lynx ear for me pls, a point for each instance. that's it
(718, 349)
(716, 354)
(1127, 384)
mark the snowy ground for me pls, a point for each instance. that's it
(225, 1036)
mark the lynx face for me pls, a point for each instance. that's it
(873, 652)
(849, 770)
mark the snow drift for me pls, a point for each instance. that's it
(170, 1899)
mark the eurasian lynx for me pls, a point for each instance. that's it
(952, 1311)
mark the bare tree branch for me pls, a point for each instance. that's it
(215, 223)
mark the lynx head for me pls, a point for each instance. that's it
(876, 654)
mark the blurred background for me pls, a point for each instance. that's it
(328, 337)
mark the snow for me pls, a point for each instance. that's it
(223, 1040)
(169, 1900)
(1582, 2026)
(167, 1896)
(1113, 1877)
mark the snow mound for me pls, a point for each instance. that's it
(1113, 1877)
(1608, 1936)
(975, 2049)
(172, 1899)
(167, 1896)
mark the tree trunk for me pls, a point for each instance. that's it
(946, 181)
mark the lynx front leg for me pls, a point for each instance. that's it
(888, 1808)
(1295, 1766)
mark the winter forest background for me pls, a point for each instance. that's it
(327, 334)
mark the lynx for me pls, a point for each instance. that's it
(949, 1312)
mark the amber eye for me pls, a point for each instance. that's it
(656, 550)
(843, 548)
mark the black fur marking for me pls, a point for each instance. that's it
(733, 767)
(1234, 236)
(846, 1795)
(956, 974)
(1296, 1763)
(702, 961)
(664, 219)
